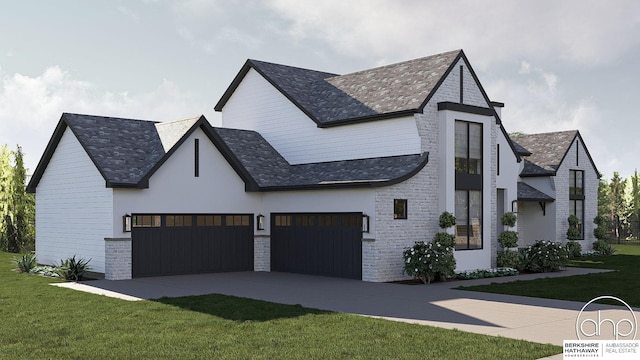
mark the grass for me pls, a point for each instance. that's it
(623, 283)
(39, 321)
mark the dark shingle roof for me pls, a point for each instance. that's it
(123, 150)
(127, 152)
(331, 99)
(270, 171)
(519, 149)
(547, 151)
(527, 192)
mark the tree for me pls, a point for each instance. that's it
(17, 208)
(5, 185)
(618, 204)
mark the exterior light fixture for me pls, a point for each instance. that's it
(514, 206)
(126, 223)
(260, 222)
(365, 223)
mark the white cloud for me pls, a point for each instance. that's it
(525, 68)
(30, 107)
(587, 32)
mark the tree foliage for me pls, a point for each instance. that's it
(17, 208)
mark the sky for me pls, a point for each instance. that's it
(557, 65)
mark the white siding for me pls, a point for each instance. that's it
(257, 105)
(175, 189)
(73, 207)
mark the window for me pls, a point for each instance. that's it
(282, 220)
(468, 185)
(497, 159)
(399, 208)
(237, 220)
(576, 197)
(576, 183)
(468, 230)
(145, 220)
(468, 147)
(178, 220)
(209, 220)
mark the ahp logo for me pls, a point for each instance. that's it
(609, 324)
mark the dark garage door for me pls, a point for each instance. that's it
(177, 244)
(317, 244)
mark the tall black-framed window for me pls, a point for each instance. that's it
(196, 157)
(576, 197)
(468, 185)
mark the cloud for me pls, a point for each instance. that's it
(30, 107)
(586, 32)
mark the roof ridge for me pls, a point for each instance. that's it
(254, 61)
(402, 62)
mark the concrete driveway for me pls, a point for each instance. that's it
(533, 319)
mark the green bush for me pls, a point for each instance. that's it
(25, 262)
(573, 233)
(508, 219)
(72, 269)
(508, 259)
(445, 239)
(508, 239)
(426, 261)
(600, 232)
(543, 256)
(603, 248)
(489, 273)
(574, 249)
(446, 220)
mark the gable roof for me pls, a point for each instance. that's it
(547, 151)
(331, 99)
(126, 152)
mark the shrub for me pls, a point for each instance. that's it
(445, 239)
(489, 273)
(603, 248)
(574, 249)
(25, 262)
(543, 256)
(72, 269)
(508, 259)
(573, 233)
(426, 261)
(446, 220)
(600, 232)
(508, 219)
(508, 239)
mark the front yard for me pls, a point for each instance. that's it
(39, 321)
(623, 283)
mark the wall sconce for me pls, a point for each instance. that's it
(514, 206)
(260, 222)
(126, 223)
(365, 223)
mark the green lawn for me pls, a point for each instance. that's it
(623, 283)
(38, 321)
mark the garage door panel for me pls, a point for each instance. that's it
(317, 244)
(198, 248)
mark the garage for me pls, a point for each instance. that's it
(326, 244)
(179, 244)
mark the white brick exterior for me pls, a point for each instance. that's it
(261, 253)
(117, 258)
(431, 191)
(533, 225)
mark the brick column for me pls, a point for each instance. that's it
(117, 258)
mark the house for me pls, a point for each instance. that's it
(311, 172)
(558, 178)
